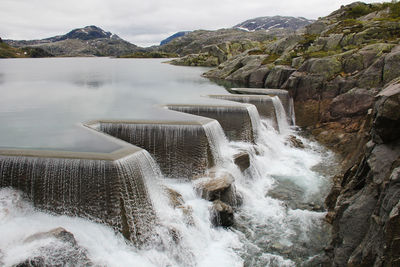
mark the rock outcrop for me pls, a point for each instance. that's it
(343, 74)
(364, 203)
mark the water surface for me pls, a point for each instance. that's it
(45, 101)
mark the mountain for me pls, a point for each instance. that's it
(87, 41)
(174, 36)
(273, 23)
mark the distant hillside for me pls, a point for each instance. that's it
(196, 41)
(273, 23)
(7, 51)
(87, 41)
(174, 36)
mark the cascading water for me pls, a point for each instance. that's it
(279, 224)
(281, 118)
(292, 113)
(239, 129)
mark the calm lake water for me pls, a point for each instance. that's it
(45, 101)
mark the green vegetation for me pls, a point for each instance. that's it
(362, 9)
(150, 55)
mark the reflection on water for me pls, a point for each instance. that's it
(44, 101)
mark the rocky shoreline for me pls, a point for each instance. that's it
(343, 73)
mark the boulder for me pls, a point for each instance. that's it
(295, 142)
(391, 70)
(372, 76)
(278, 76)
(257, 77)
(242, 160)
(218, 188)
(221, 214)
(63, 251)
(215, 51)
(386, 125)
(246, 66)
(326, 66)
(175, 198)
(353, 103)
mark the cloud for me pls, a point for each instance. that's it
(145, 22)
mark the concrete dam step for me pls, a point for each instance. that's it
(284, 96)
(115, 188)
(238, 129)
(109, 189)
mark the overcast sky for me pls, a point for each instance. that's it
(145, 22)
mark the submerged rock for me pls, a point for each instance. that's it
(222, 214)
(219, 188)
(295, 142)
(62, 251)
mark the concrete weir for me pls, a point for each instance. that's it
(263, 103)
(235, 120)
(181, 148)
(283, 95)
(110, 188)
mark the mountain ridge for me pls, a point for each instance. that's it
(273, 22)
(87, 41)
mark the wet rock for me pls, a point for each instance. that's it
(63, 251)
(222, 214)
(175, 198)
(218, 188)
(295, 142)
(242, 160)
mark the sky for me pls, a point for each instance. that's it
(145, 22)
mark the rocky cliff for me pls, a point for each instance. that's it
(343, 73)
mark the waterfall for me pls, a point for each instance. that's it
(218, 142)
(255, 120)
(110, 192)
(239, 129)
(181, 150)
(281, 118)
(292, 113)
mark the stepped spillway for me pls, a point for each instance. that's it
(238, 129)
(283, 95)
(264, 104)
(110, 188)
(181, 148)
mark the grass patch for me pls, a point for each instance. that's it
(270, 59)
